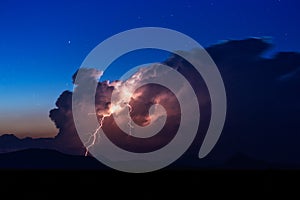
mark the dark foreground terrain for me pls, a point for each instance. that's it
(34, 170)
(46, 159)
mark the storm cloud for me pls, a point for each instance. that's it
(262, 94)
(262, 105)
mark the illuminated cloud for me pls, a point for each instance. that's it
(260, 92)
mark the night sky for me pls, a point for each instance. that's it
(42, 43)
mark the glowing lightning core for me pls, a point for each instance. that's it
(124, 93)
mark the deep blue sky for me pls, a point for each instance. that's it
(42, 43)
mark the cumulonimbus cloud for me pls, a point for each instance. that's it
(262, 94)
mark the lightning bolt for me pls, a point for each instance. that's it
(129, 117)
(93, 136)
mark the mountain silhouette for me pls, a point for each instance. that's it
(47, 159)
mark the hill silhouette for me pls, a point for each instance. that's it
(36, 159)
(46, 159)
